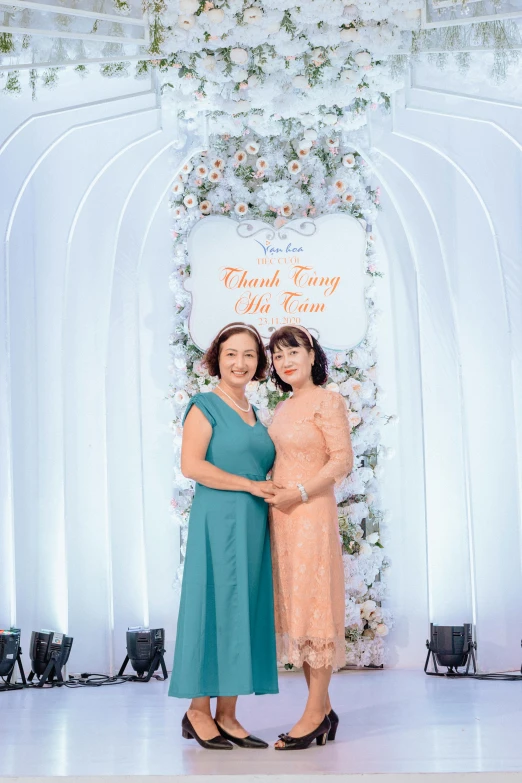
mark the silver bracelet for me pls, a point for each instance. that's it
(304, 494)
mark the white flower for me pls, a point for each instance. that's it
(240, 75)
(304, 144)
(186, 22)
(349, 161)
(252, 15)
(253, 81)
(349, 34)
(262, 164)
(340, 185)
(240, 156)
(205, 207)
(179, 212)
(188, 6)
(286, 210)
(310, 134)
(218, 163)
(372, 538)
(187, 168)
(363, 58)
(270, 385)
(365, 549)
(367, 608)
(353, 419)
(348, 198)
(209, 62)
(381, 630)
(181, 397)
(332, 387)
(301, 82)
(329, 119)
(294, 167)
(201, 171)
(241, 208)
(239, 56)
(178, 188)
(215, 15)
(349, 75)
(252, 148)
(303, 153)
(215, 175)
(318, 56)
(190, 201)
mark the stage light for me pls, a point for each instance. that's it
(145, 651)
(451, 646)
(49, 653)
(10, 654)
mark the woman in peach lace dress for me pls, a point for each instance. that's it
(311, 434)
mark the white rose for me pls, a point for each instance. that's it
(273, 28)
(381, 630)
(186, 22)
(253, 80)
(239, 56)
(190, 201)
(270, 385)
(318, 54)
(205, 207)
(349, 75)
(310, 134)
(329, 119)
(304, 144)
(241, 208)
(215, 15)
(349, 161)
(363, 58)
(349, 34)
(372, 538)
(209, 62)
(294, 167)
(188, 6)
(301, 82)
(252, 15)
(252, 148)
(365, 549)
(240, 75)
(366, 608)
(181, 397)
(332, 387)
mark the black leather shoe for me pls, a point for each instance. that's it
(319, 734)
(216, 743)
(334, 722)
(243, 742)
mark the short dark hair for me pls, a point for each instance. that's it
(293, 337)
(211, 357)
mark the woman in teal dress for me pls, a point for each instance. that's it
(225, 643)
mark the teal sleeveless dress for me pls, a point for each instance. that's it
(225, 644)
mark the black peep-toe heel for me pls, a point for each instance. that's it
(334, 723)
(320, 735)
(216, 743)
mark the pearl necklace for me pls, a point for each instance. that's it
(245, 410)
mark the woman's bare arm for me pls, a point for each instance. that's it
(197, 432)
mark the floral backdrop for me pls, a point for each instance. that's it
(305, 172)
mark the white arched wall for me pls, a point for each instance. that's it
(86, 541)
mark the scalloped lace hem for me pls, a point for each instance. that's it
(316, 652)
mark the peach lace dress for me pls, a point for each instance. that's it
(312, 437)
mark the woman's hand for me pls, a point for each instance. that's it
(284, 499)
(263, 489)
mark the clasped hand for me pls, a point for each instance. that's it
(277, 496)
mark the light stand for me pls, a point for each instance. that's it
(451, 646)
(10, 655)
(49, 653)
(145, 651)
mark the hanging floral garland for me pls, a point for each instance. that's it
(275, 178)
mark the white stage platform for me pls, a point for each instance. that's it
(395, 726)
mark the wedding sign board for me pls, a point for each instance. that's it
(306, 272)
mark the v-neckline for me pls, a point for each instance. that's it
(237, 414)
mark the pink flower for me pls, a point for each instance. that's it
(372, 268)
(198, 182)
(174, 234)
(208, 5)
(278, 222)
(243, 86)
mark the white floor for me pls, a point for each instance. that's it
(392, 722)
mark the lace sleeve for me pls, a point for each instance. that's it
(332, 420)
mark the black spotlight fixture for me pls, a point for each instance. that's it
(49, 653)
(145, 651)
(10, 655)
(451, 646)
